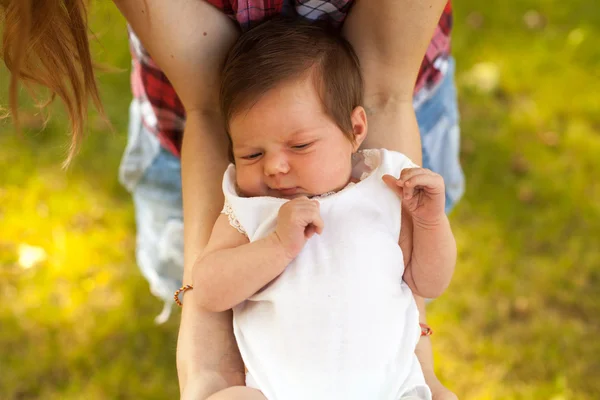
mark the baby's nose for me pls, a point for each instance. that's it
(276, 164)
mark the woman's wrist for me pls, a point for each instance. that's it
(386, 112)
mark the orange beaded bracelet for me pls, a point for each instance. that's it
(181, 291)
(425, 330)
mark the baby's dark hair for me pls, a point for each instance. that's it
(282, 50)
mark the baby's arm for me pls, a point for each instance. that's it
(232, 269)
(430, 264)
(433, 259)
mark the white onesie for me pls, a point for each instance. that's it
(339, 322)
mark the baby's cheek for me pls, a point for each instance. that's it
(331, 175)
(249, 183)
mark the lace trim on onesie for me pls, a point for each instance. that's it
(364, 163)
(233, 221)
(371, 162)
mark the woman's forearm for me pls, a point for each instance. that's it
(390, 38)
(208, 359)
(206, 349)
(225, 278)
(424, 351)
(393, 126)
(203, 162)
(189, 42)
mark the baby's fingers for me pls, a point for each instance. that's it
(309, 231)
(318, 223)
(314, 222)
(429, 181)
(408, 173)
(393, 184)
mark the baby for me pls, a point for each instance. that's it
(306, 250)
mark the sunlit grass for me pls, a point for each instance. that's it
(520, 318)
(78, 323)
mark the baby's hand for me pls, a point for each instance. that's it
(298, 220)
(422, 192)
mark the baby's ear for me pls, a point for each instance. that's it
(359, 126)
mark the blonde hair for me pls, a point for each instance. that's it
(45, 42)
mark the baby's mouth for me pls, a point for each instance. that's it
(285, 192)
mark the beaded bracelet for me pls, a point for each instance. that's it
(181, 291)
(425, 330)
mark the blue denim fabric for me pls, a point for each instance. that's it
(440, 136)
(153, 176)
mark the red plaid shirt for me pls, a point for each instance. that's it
(162, 111)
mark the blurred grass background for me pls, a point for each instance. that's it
(520, 320)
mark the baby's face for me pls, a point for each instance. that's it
(287, 146)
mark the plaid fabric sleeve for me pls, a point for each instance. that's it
(435, 62)
(162, 111)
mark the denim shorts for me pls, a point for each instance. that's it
(153, 176)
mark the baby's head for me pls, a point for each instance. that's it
(291, 95)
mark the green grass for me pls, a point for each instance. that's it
(520, 318)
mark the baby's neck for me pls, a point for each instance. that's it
(360, 169)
